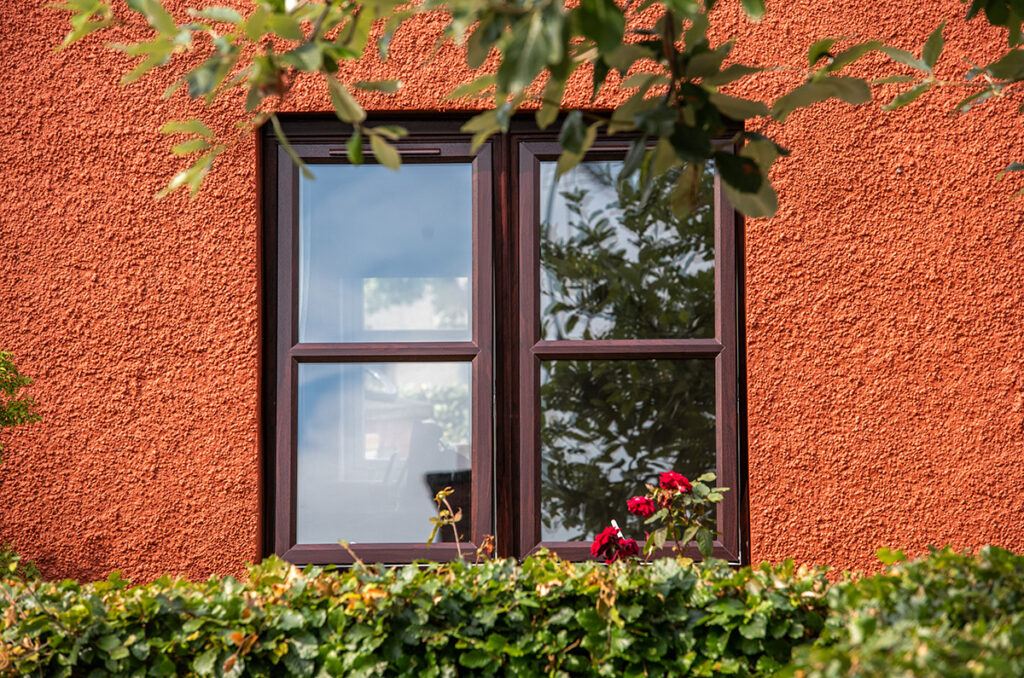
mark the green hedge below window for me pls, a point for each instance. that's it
(947, 614)
(539, 618)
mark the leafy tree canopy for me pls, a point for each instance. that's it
(671, 72)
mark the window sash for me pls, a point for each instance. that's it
(290, 353)
(529, 153)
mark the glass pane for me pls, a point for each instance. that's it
(615, 262)
(608, 427)
(386, 256)
(376, 441)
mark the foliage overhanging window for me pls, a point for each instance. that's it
(543, 345)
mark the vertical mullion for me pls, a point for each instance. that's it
(528, 172)
(506, 356)
(285, 451)
(726, 429)
(481, 407)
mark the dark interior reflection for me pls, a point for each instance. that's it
(616, 264)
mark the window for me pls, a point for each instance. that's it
(543, 346)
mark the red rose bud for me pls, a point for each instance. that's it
(670, 480)
(641, 506)
(605, 544)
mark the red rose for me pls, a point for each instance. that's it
(670, 480)
(628, 548)
(641, 506)
(605, 544)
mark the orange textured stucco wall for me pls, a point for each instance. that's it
(884, 325)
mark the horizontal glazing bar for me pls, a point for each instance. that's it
(386, 352)
(624, 349)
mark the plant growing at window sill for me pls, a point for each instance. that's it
(683, 510)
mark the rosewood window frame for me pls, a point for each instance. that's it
(505, 351)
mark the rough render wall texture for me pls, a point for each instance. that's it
(884, 328)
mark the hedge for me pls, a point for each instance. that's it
(948, 614)
(543, 617)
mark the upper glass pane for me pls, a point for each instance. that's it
(386, 256)
(608, 427)
(376, 442)
(616, 264)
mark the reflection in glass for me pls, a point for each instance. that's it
(616, 263)
(386, 256)
(608, 427)
(376, 441)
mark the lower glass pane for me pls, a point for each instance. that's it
(376, 441)
(608, 427)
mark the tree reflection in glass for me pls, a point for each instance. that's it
(616, 264)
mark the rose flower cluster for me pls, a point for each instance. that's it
(612, 545)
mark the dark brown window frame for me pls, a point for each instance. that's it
(505, 351)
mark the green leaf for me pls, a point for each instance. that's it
(190, 146)
(345, 106)
(496, 643)
(108, 643)
(626, 54)
(391, 132)
(904, 57)
(741, 173)
(481, 122)
(354, 150)
(997, 12)
(472, 87)
(753, 8)
(305, 57)
(933, 46)
(385, 153)
(894, 79)
(736, 108)
(705, 543)
(911, 94)
(1012, 167)
(590, 620)
(475, 659)
(818, 50)
(386, 86)
(603, 22)
(287, 147)
(691, 144)
(704, 64)
(191, 126)
(204, 78)
(290, 619)
(158, 17)
(848, 56)
(1010, 66)
(285, 26)
(764, 203)
(755, 628)
(573, 133)
(219, 13)
(729, 74)
(205, 663)
(551, 102)
(850, 90)
(889, 557)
